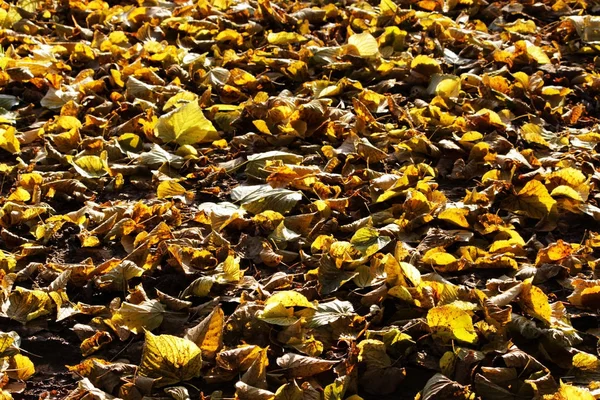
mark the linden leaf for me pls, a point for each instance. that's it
(24, 305)
(365, 43)
(446, 86)
(586, 293)
(21, 367)
(277, 314)
(451, 323)
(368, 241)
(90, 166)
(283, 38)
(8, 140)
(535, 302)
(302, 366)
(568, 392)
(170, 188)
(289, 391)
(330, 312)
(289, 298)
(456, 216)
(170, 359)
(533, 201)
(208, 334)
(259, 198)
(9, 343)
(136, 317)
(186, 125)
(425, 65)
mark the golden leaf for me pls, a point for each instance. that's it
(170, 359)
(289, 298)
(456, 216)
(568, 392)
(365, 43)
(451, 323)
(21, 367)
(186, 125)
(24, 305)
(136, 317)
(208, 334)
(533, 200)
(535, 302)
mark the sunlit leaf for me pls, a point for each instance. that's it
(186, 125)
(450, 322)
(170, 359)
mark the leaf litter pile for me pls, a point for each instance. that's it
(299, 200)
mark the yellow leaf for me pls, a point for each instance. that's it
(554, 253)
(9, 343)
(229, 35)
(388, 7)
(289, 298)
(19, 195)
(116, 75)
(568, 392)
(533, 52)
(456, 216)
(90, 166)
(521, 26)
(170, 188)
(392, 271)
(446, 86)
(180, 99)
(283, 38)
(21, 367)
(24, 305)
(8, 140)
(586, 293)
(425, 65)
(136, 317)
(586, 361)
(401, 293)
(532, 133)
(372, 353)
(262, 126)
(448, 362)
(451, 323)
(186, 125)
(533, 200)
(365, 43)
(438, 256)
(170, 359)
(95, 342)
(231, 269)
(411, 273)
(369, 241)
(277, 314)
(208, 334)
(535, 302)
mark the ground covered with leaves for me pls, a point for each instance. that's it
(299, 200)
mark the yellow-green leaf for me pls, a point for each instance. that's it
(186, 125)
(451, 323)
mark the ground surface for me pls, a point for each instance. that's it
(299, 200)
